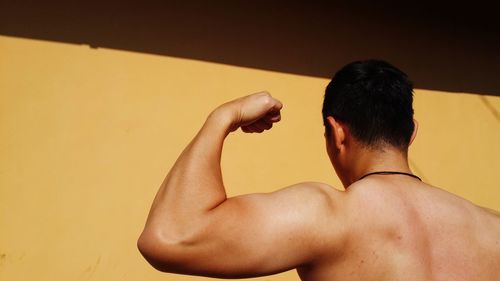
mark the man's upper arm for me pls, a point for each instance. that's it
(261, 234)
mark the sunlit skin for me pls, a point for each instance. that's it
(383, 227)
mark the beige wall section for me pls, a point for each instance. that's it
(87, 135)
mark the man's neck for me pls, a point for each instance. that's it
(376, 160)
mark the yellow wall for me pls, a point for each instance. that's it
(87, 135)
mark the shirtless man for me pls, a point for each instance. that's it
(386, 225)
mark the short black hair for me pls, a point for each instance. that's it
(374, 99)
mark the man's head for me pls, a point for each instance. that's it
(369, 103)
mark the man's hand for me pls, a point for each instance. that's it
(253, 113)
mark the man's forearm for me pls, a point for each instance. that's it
(194, 184)
(189, 207)
(193, 187)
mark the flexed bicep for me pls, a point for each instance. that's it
(257, 234)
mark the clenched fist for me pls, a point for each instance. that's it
(253, 113)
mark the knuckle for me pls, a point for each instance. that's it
(267, 100)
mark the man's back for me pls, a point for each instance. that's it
(402, 229)
(387, 226)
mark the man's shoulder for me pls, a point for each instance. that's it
(355, 197)
(316, 190)
(323, 206)
(313, 198)
(315, 186)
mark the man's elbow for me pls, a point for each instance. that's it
(163, 254)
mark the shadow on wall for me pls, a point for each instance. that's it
(446, 46)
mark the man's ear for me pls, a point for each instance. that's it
(337, 131)
(415, 129)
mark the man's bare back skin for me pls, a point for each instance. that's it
(424, 233)
(385, 226)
